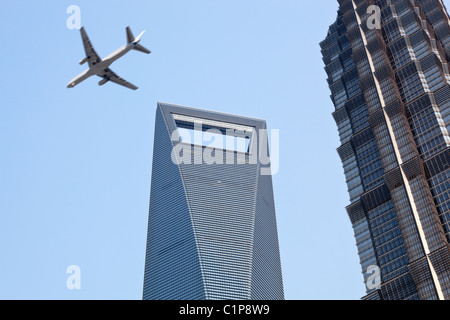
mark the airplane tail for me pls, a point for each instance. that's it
(132, 39)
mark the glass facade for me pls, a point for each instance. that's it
(391, 90)
(212, 231)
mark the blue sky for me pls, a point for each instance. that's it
(75, 164)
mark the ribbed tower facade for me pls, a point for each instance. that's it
(390, 85)
(212, 231)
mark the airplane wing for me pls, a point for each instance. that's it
(113, 77)
(91, 55)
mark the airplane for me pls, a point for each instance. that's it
(100, 67)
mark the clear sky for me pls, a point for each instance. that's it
(75, 164)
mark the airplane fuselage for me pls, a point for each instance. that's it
(99, 68)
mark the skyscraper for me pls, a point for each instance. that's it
(387, 66)
(212, 231)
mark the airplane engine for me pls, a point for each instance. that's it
(83, 61)
(102, 82)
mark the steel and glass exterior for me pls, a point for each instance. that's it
(391, 91)
(212, 231)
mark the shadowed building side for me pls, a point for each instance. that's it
(172, 266)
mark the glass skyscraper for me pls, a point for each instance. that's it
(389, 79)
(212, 231)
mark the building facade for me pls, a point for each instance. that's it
(212, 231)
(390, 84)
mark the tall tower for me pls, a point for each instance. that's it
(389, 79)
(212, 231)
